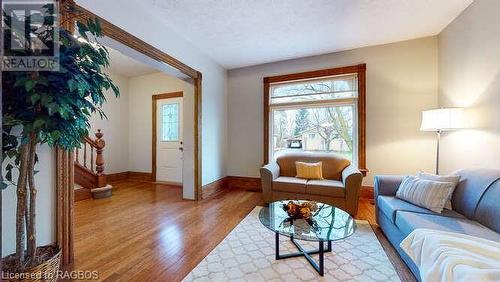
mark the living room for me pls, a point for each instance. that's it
(378, 124)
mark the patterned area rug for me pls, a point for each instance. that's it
(247, 254)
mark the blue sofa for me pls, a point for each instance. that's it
(476, 210)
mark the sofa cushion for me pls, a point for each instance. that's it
(325, 187)
(488, 209)
(290, 184)
(388, 205)
(408, 221)
(333, 164)
(473, 183)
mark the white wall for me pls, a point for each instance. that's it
(214, 104)
(115, 127)
(469, 76)
(46, 198)
(401, 82)
(140, 125)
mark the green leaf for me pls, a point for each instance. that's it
(73, 85)
(35, 98)
(63, 112)
(46, 99)
(29, 85)
(38, 123)
(82, 29)
(52, 108)
(55, 134)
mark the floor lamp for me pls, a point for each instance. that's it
(438, 120)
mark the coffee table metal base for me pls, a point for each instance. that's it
(304, 253)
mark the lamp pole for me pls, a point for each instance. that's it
(437, 150)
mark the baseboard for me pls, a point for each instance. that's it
(142, 176)
(367, 192)
(247, 183)
(133, 175)
(214, 187)
(82, 194)
(117, 176)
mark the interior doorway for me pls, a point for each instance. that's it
(168, 137)
(64, 216)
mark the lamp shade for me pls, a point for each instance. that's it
(442, 119)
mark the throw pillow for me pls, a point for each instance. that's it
(309, 170)
(428, 194)
(449, 178)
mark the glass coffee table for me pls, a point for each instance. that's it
(328, 224)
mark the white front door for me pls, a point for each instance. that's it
(169, 140)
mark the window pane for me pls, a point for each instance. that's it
(170, 122)
(321, 89)
(329, 129)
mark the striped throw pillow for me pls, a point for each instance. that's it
(448, 178)
(309, 170)
(428, 194)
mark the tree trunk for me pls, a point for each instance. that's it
(32, 204)
(21, 204)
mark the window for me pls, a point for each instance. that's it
(170, 122)
(319, 110)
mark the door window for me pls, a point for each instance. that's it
(170, 122)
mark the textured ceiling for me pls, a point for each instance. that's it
(249, 32)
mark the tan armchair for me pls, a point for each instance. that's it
(340, 186)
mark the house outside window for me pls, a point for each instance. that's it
(321, 113)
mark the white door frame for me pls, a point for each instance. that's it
(154, 140)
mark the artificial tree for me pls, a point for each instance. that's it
(48, 107)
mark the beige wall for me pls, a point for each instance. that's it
(46, 197)
(469, 76)
(114, 127)
(401, 82)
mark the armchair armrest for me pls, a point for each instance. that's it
(352, 179)
(351, 174)
(271, 170)
(386, 185)
(268, 174)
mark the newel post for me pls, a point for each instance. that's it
(99, 161)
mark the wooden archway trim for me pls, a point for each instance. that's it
(69, 13)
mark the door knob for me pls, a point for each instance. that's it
(180, 148)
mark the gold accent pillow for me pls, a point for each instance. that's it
(309, 170)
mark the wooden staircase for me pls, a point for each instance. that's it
(90, 180)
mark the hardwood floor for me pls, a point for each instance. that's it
(145, 231)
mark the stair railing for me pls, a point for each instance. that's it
(90, 156)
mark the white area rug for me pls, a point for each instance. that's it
(247, 254)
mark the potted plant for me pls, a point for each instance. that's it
(52, 108)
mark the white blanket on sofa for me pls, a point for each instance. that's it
(446, 256)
